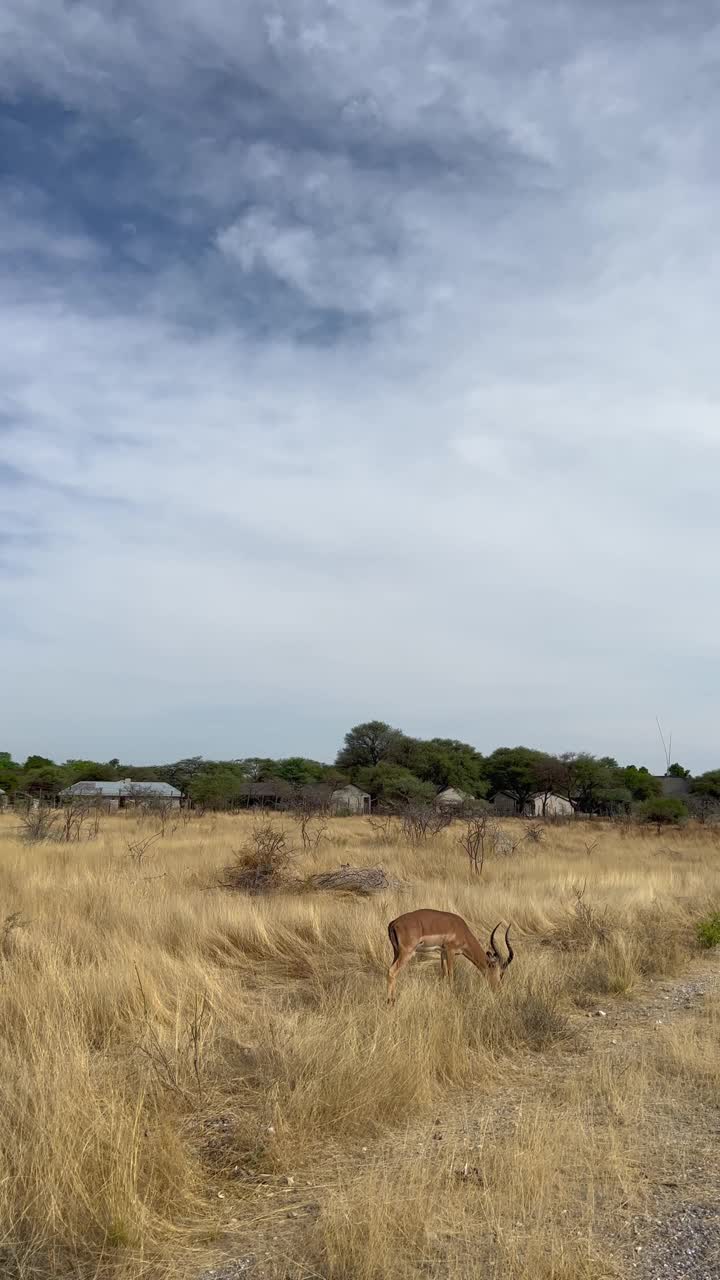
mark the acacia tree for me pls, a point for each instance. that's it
(444, 762)
(593, 785)
(300, 771)
(369, 744)
(392, 784)
(217, 789)
(548, 774)
(707, 784)
(513, 771)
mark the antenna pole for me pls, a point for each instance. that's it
(667, 746)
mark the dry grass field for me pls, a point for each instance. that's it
(190, 1075)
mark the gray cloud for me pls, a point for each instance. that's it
(371, 371)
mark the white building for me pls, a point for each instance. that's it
(350, 799)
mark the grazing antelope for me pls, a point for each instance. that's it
(428, 930)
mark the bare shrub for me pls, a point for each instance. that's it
(385, 827)
(138, 849)
(37, 826)
(584, 926)
(170, 1064)
(347, 879)
(535, 833)
(505, 843)
(153, 805)
(78, 819)
(476, 835)
(482, 836)
(261, 865)
(706, 809)
(313, 827)
(591, 925)
(422, 822)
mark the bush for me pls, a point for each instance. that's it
(665, 811)
(708, 930)
(261, 865)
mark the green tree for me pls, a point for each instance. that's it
(593, 785)
(216, 789)
(300, 772)
(704, 798)
(9, 773)
(446, 763)
(369, 744)
(707, 784)
(87, 771)
(513, 771)
(259, 768)
(146, 773)
(37, 762)
(639, 782)
(393, 784)
(677, 771)
(664, 810)
(180, 774)
(44, 782)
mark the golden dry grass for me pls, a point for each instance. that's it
(185, 1071)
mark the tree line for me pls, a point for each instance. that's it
(394, 768)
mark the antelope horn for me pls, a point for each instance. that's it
(511, 953)
(493, 948)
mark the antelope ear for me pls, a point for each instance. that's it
(491, 958)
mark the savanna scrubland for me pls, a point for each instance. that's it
(191, 1074)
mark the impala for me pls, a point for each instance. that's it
(428, 930)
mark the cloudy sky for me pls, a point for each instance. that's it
(359, 358)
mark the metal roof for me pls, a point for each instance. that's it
(113, 790)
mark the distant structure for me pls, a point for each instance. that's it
(671, 786)
(3, 798)
(538, 806)
(552, 806)
(451, 798)
(350, 799)
(125, 794)
(276, 793)
(273, 793)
